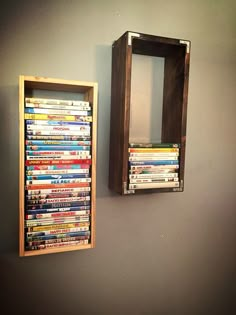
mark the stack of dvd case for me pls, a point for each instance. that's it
(153, 165)
(57, 173)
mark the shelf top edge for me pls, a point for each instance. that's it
(156, 38)
(41, 79)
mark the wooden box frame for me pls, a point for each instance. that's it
(174, 116)
(90, 90)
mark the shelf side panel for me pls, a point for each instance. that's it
(21, 166)
(120, 114)
(91, 96)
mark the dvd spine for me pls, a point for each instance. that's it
(57, 133)
(154, 185)
(58, 117)
(56, 106)
(58, 128)
(154, 145)
(58, 181)
(34, 100)
(56, 123)
(59, 138)
(55, 245)
(58, 205)
(55, 148)
(57, 200)
(56, 215)
(58, 172)
(57, 191)
(49, 153)
(58, 143)
(57, 210)
(57, 161)
(57, 111)
(54, 227)
(58, 233)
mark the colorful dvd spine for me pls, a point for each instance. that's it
(58, 161)
(56, 157)
(57, 240)
(60, 148)
(57, 196)
(58, 143)
(58, 181)
(57, 200)
(154, 167)
(58, 128)
(154, 145)
(58, 117)
(157, 154)
(34, 100)
(59, 137)
(74, 152)
(152, 150)
(47, 235)
(57, 111)
(55, 245)
(57, 210)
(56, 176)
(153, 180)
(154, 175)
(56, 215)
(56, 106)
(58, 191)
(56, 123)
(152, 162)
(56, 234)
(52, 221)
(54, 227)
(153, 158)
(58, 205)
(57, 133)
(51, 186)
(154, 185)
(59, 172)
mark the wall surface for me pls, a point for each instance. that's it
(162, 254)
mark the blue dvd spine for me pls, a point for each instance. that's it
(55, 148)
(50, 210)
(57, 176)
(58, 205)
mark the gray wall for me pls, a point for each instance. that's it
(170, 254)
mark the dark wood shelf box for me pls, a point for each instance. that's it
(176, 54)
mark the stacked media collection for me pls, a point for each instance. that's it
(57, 173)
(153, 165)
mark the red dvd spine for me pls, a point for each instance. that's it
(49, 186)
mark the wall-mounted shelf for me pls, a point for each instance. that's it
(57, 180)
(176, 54)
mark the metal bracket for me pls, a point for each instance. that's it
(127, 191)
(187, 43)
(178, 189)
(130, 35)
